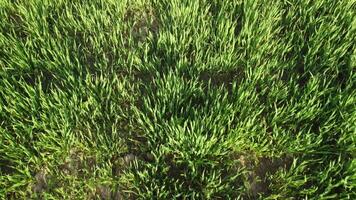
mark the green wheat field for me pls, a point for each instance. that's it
(178, 99)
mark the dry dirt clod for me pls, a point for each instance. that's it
(122, 163)
(41, 182)
(149, 157)
(117, 196)
(259, 168)
(265, 166)
(129, 158)
(103, 192)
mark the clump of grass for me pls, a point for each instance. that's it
(177, 99)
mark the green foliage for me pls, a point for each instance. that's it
(178, 99)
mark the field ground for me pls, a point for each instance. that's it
(177, 99)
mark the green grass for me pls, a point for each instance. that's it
(178, 99)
